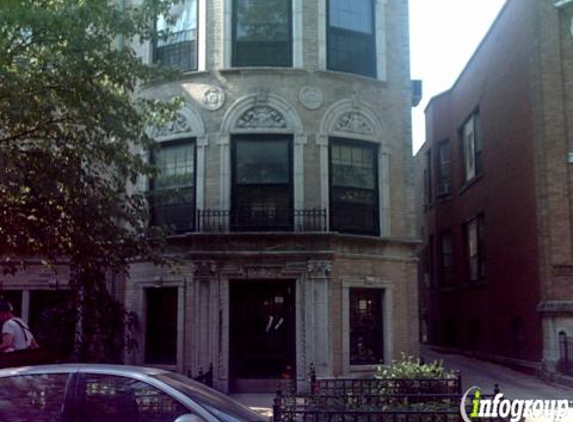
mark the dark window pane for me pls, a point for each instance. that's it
(161, 325)
(179, 49)
(262, 191)
(262, 162)
(262, 33)
(355, 15)
(351, 40)
(354, 188)
(120, 399)
(33, 397)
(173, 190)
(366, 327)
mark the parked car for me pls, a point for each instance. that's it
(112, 393)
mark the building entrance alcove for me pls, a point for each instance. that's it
(262, 334)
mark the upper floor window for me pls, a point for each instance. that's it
(179, 48)
(475, 248)
(173, 190)
(354, 187)
(428, 183)
(471, 147)
(444, 168)
(446, 258)
(262, 33)
(261, 183)
(351, 37)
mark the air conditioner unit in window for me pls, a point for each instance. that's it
(443, 189)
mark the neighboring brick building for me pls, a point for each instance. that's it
(291, 169)
(494, 189)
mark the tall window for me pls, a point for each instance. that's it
(173, 190)
(428, 182)
(351, 37)
(474, 231)
(262, 34)
(446, 258)
(366, 326)
(443, 168)
(471, 147)
(179, 48)
(262, 183)
(161, 326)
(354, 187)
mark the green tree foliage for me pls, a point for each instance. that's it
(70, 122)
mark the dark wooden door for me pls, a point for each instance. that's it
(262, 329)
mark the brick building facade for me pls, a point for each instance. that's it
(494, 187)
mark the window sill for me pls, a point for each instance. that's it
(470, 183)
(472, 285)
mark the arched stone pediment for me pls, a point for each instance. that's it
(187, 123)
(350, 118)
(272, 114)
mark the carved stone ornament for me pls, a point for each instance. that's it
(261, 117)
(213, 98)
(354, 122)
(319, 269)
(179, 125)
(311, 97)
(204, 269)
(260, 272)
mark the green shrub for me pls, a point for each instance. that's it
(411, 367)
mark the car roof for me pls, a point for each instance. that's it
(84, 367)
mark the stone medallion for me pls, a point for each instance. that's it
(213, 98)
(311, 97)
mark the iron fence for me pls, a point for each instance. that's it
(261, 219)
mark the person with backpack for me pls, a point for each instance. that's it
(16, 334)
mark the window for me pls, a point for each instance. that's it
(121, 399)
(444, 168)
(351, 43)
(366, 326)
(173, 190)
(262, 183)
(428, 191)
(33, 397)
(474, 231)
(471, 147)
(446, 258)
(161, 326)
(262, 34)
(179, 48)
(354, 187)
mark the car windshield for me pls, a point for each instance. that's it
(220, 405)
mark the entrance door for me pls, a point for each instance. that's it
(262, 334)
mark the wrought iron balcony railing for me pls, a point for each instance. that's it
(261, 219)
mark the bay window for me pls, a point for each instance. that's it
(179, 48)
(262, 33)
(354, 187)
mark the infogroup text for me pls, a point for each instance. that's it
(516, 410)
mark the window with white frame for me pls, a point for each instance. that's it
(262, 32)
(351, 41)
(354, 198)
(471, 147)
(444, 168)
(475, 248)
(176, 43)
(172, 191)
(366, 337)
